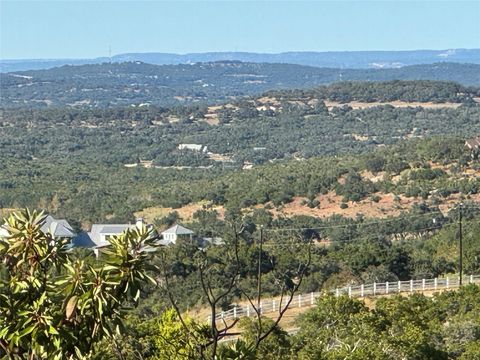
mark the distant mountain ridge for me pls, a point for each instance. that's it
(336, 59)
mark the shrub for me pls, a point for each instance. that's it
(56, 307)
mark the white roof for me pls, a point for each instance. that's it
(95, 237)
(98, 230)
(58, 228)
(178, 230)
(197, 147)
(3, 231)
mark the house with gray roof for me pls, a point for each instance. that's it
(59, 228)
(99, 235)
(171, 235)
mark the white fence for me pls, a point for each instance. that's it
(364, 290)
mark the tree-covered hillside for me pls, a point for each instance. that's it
(309, 190)
(91, 164)
(114, 84)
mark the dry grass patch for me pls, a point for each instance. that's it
(330, 205)
(400, 104)
(186, 212)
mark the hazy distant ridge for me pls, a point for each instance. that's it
(337, 59)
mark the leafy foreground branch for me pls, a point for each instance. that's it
(55, 307)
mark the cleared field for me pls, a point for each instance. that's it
(401, 104)
(186, 212)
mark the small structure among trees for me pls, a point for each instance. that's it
(193, 147)
(474, 146)
(171, 235)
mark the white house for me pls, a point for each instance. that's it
(99, 235)
(171, 235)
(193, 147)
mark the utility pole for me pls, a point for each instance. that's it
(460, 238)
(259, 283)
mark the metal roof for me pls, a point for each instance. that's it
(114, 228)
(58, 228)
(178, 230)
(99, 230)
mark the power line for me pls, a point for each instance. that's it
(378, 222)
(460, 240)
(326, 227)
(366, 224)
(367, 237)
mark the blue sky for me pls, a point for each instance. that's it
(83, 29)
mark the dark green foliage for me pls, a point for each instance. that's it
(275, 346)
(415, 328)
(119, 84)
(74, 158)
(354, 187)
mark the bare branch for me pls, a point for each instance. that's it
(302, 269)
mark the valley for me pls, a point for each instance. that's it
(303, 191)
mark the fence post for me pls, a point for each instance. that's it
(471, 279)
(435, 283)
(235, 312)
(374, 288)
(248, 310)
(223, 314)
(273, 305)
(447, 283)
(399, 286)
(362, 290)
(299, 300)
(423, 284)
(312, 298)
(337, 292)
(261, 308)
(386, 287)
(349, 291)
(411, 285)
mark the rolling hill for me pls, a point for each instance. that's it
(135, 83)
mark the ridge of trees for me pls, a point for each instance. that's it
(117, 84)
